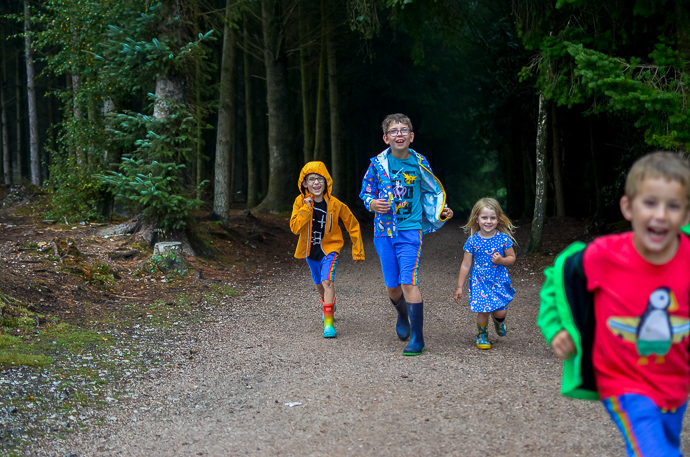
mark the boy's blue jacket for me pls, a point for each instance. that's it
(377, 184)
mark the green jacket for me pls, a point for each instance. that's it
(566, 304)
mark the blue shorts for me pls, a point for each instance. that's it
(400, 257)
(647, 430)
(323, 269)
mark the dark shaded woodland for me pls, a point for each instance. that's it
(159, 109)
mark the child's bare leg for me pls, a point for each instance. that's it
(412, 293)
(483, 319)
(500, 314)
(395, 293)
(320, 290)
(328, 290)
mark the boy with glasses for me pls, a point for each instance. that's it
(315, 216)
(409, 201)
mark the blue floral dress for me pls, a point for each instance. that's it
(489, 284)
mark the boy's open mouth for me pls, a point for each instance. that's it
(657, 234)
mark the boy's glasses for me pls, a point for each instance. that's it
(312, 180)
(395, 132)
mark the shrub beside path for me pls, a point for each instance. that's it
(264, 382)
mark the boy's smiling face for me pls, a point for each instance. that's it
(315, 184)
(398, 137)
(657, 212)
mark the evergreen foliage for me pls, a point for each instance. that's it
(115, 52)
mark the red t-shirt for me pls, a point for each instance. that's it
(642, 319)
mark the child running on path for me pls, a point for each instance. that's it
(409, 201)
(488, 251)
(617, 310)
(315, 216)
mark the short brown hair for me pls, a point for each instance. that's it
(660, 164)
(396, 118)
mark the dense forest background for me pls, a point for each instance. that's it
(161, 108)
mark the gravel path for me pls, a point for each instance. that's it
(357, 394)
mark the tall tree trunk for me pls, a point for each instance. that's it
(557, 151)
(319, 150)
(31, 99)
(536, 233)
(18, 96)
(337, 162)
(683, 37)
(6, 154)
(528, 176)
(305, 80)
(278, 195)
(112, 156)
(223, 184)
(170, 87)
(252, 162)
(75, 84)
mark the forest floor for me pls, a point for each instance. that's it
(228, 359)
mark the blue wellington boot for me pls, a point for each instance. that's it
(402, 327)
(416, 344)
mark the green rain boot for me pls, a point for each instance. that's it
(500, 326)
(483, 337)
(328, 330)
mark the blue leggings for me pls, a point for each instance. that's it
(647, 430)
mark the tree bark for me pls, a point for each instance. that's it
(75, 84)
(170, 87)
(528, 176)
(222, 191)
(557, 151)
(319, 150)
(305, 80)
(536, 233)
(278, 195)
(31, 99)
(6, 154)
(337, 169)
(18, 119)
(252, 162)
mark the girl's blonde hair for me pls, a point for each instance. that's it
(504, 224)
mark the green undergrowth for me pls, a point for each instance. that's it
(94, 360)
(36, 340)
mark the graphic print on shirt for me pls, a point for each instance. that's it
(318, 227)
(404, 175)
(655, 330)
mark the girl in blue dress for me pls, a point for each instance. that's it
(488, 251)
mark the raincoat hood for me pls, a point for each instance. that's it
(320, 169)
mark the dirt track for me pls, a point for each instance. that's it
(359, 396)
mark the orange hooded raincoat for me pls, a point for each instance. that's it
(300, 222)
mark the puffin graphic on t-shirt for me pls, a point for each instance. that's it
(655, 330)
